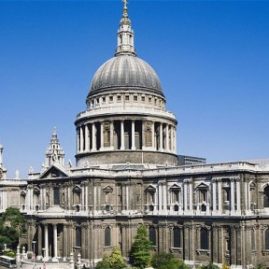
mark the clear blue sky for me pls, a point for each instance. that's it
(212, 58)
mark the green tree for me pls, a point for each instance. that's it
(12, 224)
(140, 252)
(114, 261)
(165, 261)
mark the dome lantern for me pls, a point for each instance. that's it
(125, 34)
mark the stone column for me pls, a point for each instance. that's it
(214, 197)
(78, 140)
(246, 196)
(152, 136)
(175, 140)
(87, 144)
(39, 241)
(160, 196)
(220, 197)
(164, 198)
(111, 135)
(232, 196)
(238, 196)
(133, 135)
(185, 196)
(101, 136)
(167, 138)
(191, 194)
(172, 138)
(55, 241)
(46, 241)
(122, 146)
(86, 197)
(127, 196)
(82, 198)
(93, 137)
(81, 139)
(161, 137)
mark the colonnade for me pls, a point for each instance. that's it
(126, 135)
(44, 245)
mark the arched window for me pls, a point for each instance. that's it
(78, 236)
(267, 239)
(107, 237)
(176, 237)
(152, 235)
(266, 197)
(204, 240)
(77, 193)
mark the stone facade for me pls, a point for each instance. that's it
(127, 173)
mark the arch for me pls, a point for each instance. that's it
(204, 238)
(152, 235)
(107, 237)
(77, 194)
(176, 237)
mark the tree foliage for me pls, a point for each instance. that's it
(12, 224)
(165, 261)
(114, 261)
(140, 252)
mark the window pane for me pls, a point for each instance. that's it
(107, 237)
(204, 244)
(152, 235)
(56, 195)
(78, 237)
(176, 237)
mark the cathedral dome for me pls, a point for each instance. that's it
(125, 71)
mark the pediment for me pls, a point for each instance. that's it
(175, 187)
(54, 172)
(108, 189)
(202, 186)
(150, 188)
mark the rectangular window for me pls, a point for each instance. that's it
(127, 97)
(135, 98)
(176, 237)
(111, 98)
(78, 236)
(118, 97)
(56, 195)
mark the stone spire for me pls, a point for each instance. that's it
(54, 153)
(125, 33)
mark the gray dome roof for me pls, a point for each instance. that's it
(125, 71)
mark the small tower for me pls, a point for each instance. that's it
(3, 171)
(125, 34)
(54, 153)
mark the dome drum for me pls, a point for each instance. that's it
(143, 158)
(125, 133)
